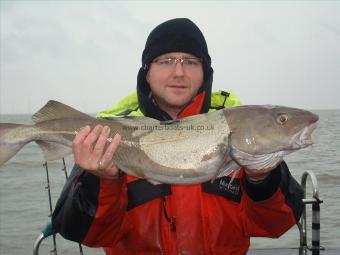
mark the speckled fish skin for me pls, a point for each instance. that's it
(192, 150)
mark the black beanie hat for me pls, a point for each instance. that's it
(176, 35)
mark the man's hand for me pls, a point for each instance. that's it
(88, 150)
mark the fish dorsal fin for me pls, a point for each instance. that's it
(55, 110)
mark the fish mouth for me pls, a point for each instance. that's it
(303, 138)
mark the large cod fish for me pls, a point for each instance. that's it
(191, 150)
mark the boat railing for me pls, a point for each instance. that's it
(315, 201)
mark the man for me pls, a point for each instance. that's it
(102, 207)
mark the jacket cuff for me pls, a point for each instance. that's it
(266, 188)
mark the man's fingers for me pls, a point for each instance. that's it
(92, 137)
(81, 135)
(83, 145)
(112, 148)
(101, 142)
(78, 141)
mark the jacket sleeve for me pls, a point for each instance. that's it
(274, 205)
(90, 209)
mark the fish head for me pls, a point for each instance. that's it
(259, 130)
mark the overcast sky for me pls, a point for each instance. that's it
(87, 53)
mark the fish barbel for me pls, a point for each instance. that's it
(192, 150)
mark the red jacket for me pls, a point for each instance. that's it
(131, 216)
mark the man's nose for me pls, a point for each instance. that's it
(178, 69)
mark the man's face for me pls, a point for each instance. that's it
(175, 84)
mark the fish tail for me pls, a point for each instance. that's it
(8, 148)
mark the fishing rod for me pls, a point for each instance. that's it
(48, 187)
(48, 230)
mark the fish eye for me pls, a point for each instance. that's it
(282, 118)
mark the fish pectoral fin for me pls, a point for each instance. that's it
(53, 151)
(231, 167)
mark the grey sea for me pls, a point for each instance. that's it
(24, 203)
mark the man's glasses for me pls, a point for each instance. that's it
(189, 64)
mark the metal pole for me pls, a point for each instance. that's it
(80, 249)
(316, 229)
(315, 201)
(64, 169)
(303, 226)
(54, 251)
